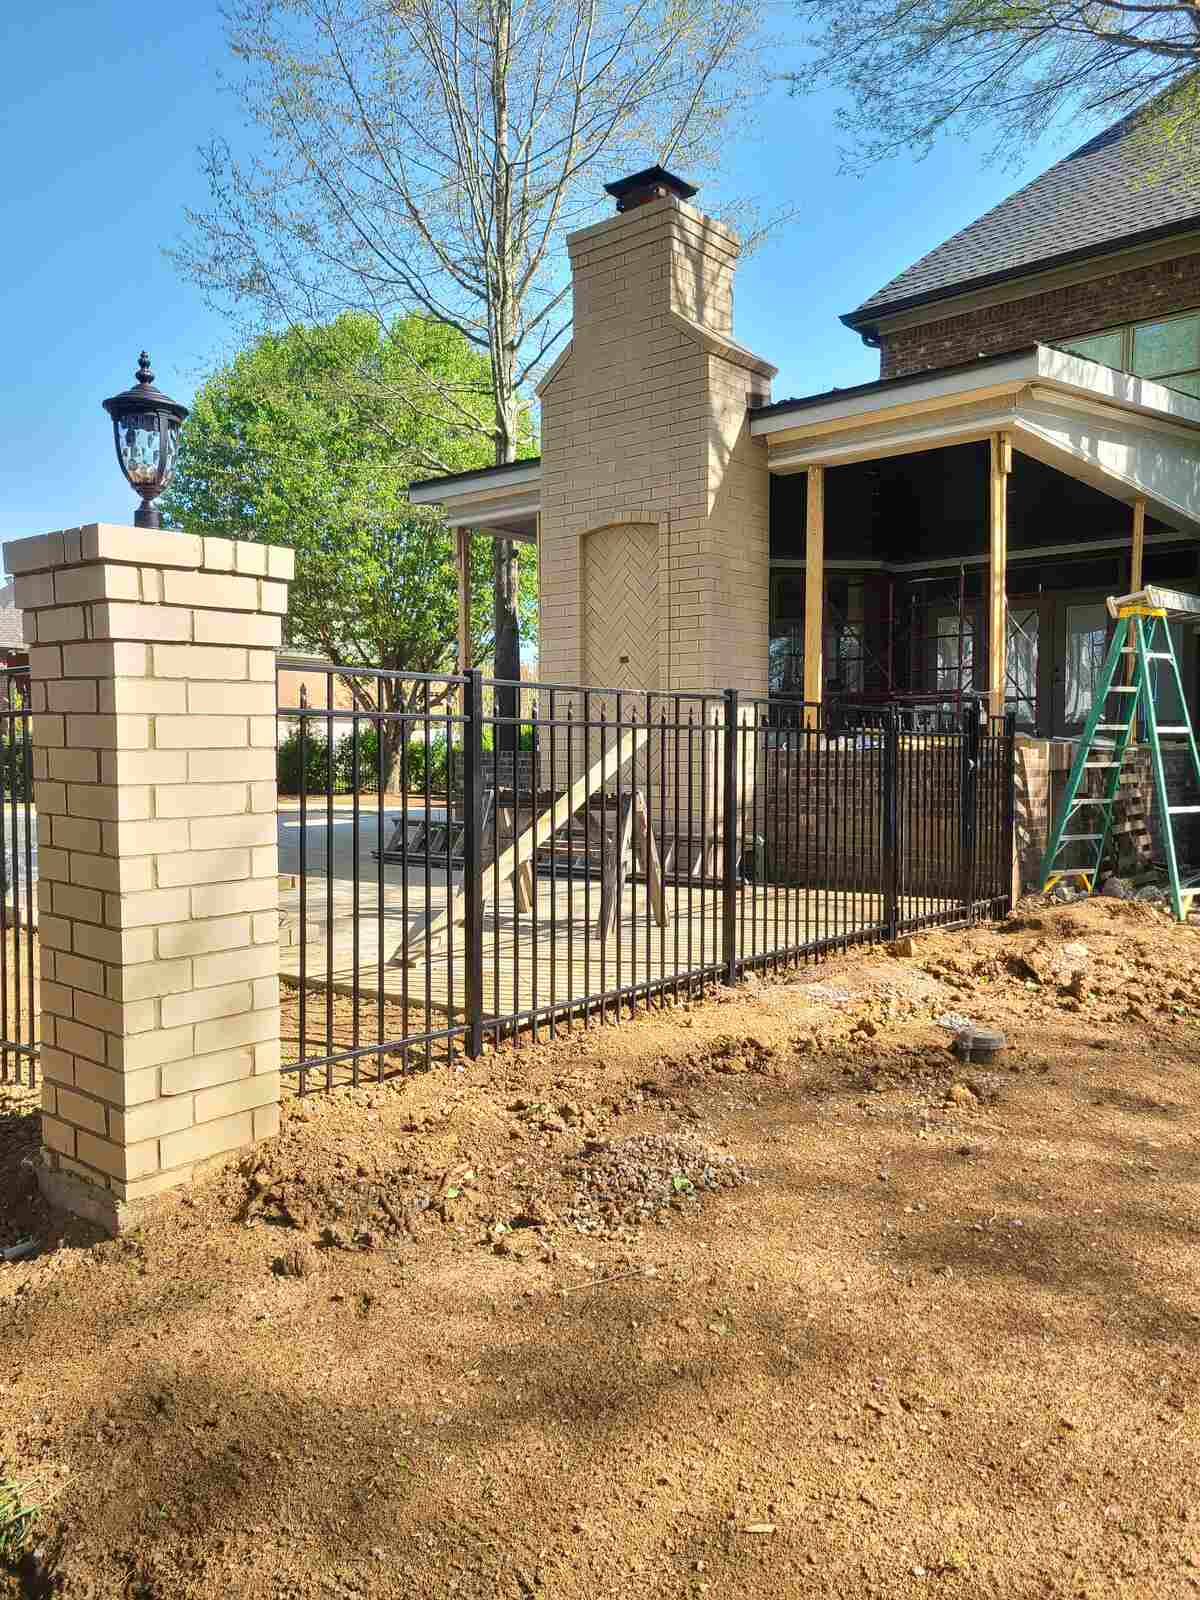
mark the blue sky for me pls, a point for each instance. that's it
(102, 112)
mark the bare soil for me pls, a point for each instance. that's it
(761, 1295)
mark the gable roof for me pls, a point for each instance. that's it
(1093, 201)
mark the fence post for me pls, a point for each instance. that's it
(889, 775)
(969, 803)
(730, 839)
(473, 855)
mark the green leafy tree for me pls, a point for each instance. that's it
(912, 70)
(310, 439)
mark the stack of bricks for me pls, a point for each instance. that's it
(152, 659)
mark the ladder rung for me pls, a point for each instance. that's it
(1183, 728)
(1123, 688)
(1183, 811)
(1159, 655)
(1094, 800)
(1091, 766)
(1119, 727)
(1078, 838)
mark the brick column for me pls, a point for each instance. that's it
(152, 660)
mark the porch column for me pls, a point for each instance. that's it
(814, 594)
(1000, 467)
(1136, 554)
(463, 547)
(1139, 546)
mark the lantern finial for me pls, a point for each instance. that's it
(144, 375)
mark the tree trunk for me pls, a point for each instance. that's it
(504, 342)
(508, 643)
(393, 741)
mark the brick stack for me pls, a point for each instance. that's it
(152, 661)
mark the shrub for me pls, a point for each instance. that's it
(419, 757)
(316, 762)
(368, 760)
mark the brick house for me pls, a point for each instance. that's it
(1031, 446)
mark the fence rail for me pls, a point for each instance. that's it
(488, 874)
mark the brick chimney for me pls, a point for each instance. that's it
(654, 525)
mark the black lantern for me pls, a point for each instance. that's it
(146, 433)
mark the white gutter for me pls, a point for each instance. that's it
(440, 493)
(1014, 371)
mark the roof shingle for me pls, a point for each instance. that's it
(1096, 199)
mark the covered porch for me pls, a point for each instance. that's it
(956, 534)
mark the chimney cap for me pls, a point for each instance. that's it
(650, 184)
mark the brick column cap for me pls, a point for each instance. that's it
(146, 547)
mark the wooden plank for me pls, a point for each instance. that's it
(1136, 560)
(522, 879)
(464, 598)
(1138, 549)
(646, 846)
(814, 595)
(535, 836)
(999, 467)
(616, 872)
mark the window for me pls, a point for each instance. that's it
(1106, 348)
(845, 642)
(1167, 706)
(1021, 665)
(1167, 351)
(954, 654)
(1086, 648)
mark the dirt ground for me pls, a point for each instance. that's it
(765, 1295)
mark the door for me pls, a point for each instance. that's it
(1028, 676)
(1081, 646)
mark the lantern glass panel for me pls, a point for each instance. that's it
(173, 429)
(138, 437)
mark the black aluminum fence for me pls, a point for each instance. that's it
(19, 982)
(452, 876)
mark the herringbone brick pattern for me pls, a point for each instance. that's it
(621, 606)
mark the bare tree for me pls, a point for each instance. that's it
(911, 70)
(429, 155)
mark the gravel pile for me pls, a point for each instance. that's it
(622, 1183)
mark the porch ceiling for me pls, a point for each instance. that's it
(1128, 437)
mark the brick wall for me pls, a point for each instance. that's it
(1051, 317)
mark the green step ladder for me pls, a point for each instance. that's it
(1142, 635)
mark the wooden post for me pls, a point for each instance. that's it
(464, 599)
(814, 596)
(1139, 546)
(1000, 467)
(1137, 551)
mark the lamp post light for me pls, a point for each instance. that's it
(146, 433)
